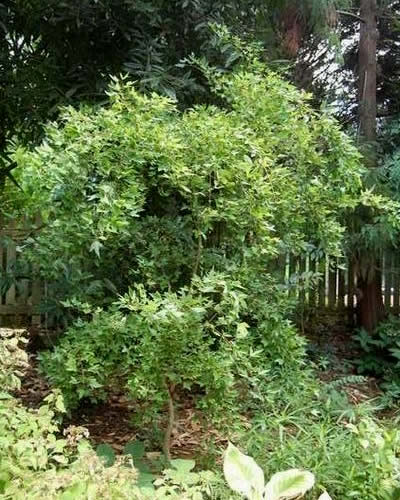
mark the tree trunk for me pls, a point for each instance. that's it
(367, 75)
(370, 308)
(171, 421)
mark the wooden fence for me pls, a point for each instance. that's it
(318, 283)
(20, 291)
(331, 284)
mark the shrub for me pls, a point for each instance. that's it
(89, 356)
(163, 346)
(162, 195)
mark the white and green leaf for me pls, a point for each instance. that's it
(325, 496)
(243, 474)
(289, 484)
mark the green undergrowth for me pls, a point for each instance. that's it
(38, 461)
(297, 423)
(316, 428)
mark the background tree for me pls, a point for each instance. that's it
(54, 52)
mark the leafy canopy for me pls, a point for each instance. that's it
(162, 195)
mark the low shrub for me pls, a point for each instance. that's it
(89, 356)
(381, 357)
(13, 359)
(38, 462)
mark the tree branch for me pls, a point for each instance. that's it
(350, 14)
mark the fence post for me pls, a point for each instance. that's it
(396, 284)
(387, 280)
(341, 288)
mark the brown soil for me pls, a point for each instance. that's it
(111, 422)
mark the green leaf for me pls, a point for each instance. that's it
(243, 474)
(77, 490)
(60, 404)
(95, 247)
(289, 484)
(135, 449)
(106, 453)
(182, 465)
(242, 330)
(61, 459)
(145, 480)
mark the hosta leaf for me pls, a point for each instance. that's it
(242, 473)
(289, 484)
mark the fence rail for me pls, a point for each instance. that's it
(21, 295)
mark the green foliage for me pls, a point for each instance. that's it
(185, 340)
(28, 438)
(162, 231)
(35, 461)
(180, 481)
(160, 195)
(163, 340)
(161, 347)
(177, 202)
(53, 54)
(301, 426)
(89, 356)
(381, 356)
(295, 423)
(13, 359)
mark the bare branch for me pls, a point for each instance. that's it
(350, 14)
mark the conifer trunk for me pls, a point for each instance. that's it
(367, 63)
(370, 308)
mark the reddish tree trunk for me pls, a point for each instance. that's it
(370, 309)
(367, 64)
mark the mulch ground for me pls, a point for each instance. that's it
(111, 422)
(333, 339)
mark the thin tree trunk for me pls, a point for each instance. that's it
(171, 422)
(370, 308)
